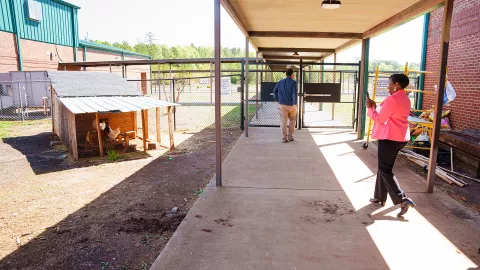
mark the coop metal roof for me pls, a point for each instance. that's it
(90, 84)
(79, 105)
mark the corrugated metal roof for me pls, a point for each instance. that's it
(78, 105)
(90, 84)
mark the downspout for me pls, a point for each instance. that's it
(423, 60)
(74, 33)
(17, 35)
(85, 56)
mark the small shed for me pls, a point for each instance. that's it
(83, 102)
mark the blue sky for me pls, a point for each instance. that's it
(182, 22)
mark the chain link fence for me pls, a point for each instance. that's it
(25, 100)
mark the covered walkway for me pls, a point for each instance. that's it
(304, 205)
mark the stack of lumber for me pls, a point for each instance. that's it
(446, 175)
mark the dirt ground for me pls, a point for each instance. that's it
(469, 195)
(96, 214)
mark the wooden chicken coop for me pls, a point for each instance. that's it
(95, 110)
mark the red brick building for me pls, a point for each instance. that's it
(463, 62)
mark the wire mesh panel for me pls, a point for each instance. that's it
(339, 114)
(196, 96)
(25, 100)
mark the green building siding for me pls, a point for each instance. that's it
(6, 22)
(58, 25)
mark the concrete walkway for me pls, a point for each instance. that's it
(304, 205)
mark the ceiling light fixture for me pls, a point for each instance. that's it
(331, 4)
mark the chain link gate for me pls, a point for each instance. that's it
(263, 109)
(330, 96)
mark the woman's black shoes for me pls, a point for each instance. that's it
(377, 201)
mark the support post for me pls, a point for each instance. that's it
(99, 134)
(144, 131)
(218, 112)
(123, 71)
(256, 86)
(158, 115)
(423, 60)
(110, 68)
(174, 109)
(362, 90)
(211, 83)
(300, 97)
(334, 81)
(242, 96)
(432, 164)
(170, 128)
(247, 117)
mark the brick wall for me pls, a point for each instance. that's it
(35, 55)
(463, 62)
(8, 54)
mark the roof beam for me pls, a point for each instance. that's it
(270, 56)
(347, 45)
(313, 50)
(287, 34)
(420, 8)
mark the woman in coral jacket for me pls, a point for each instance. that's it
(391, 129)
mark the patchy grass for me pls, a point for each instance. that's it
(14, 128)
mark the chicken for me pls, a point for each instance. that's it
(114, 133)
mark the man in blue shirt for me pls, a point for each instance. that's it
(285, 92)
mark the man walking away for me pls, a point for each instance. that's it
(285, 92)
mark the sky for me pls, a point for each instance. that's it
(182, 22)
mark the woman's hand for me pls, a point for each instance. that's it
(371, 104)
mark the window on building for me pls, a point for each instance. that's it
(34, 10)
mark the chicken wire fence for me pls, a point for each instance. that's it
(25, 100)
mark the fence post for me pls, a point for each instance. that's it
(21, 102)
(242, 85)
(174, 107)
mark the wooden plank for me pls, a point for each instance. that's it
(99, 134)
(146, 124)
(432, 164)
(272, 56)
(347, 45)
(144, 133)
(170, 128)
(135, 125)
(73, 135)
(292, 50)
(159, 136)
(408, 14)
(295, 34)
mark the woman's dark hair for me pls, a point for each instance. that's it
(402, 80)
(289, 72)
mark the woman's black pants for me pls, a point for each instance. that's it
(386, 182)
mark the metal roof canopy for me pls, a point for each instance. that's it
(79, 105)
(99, 92)
(303, 26)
